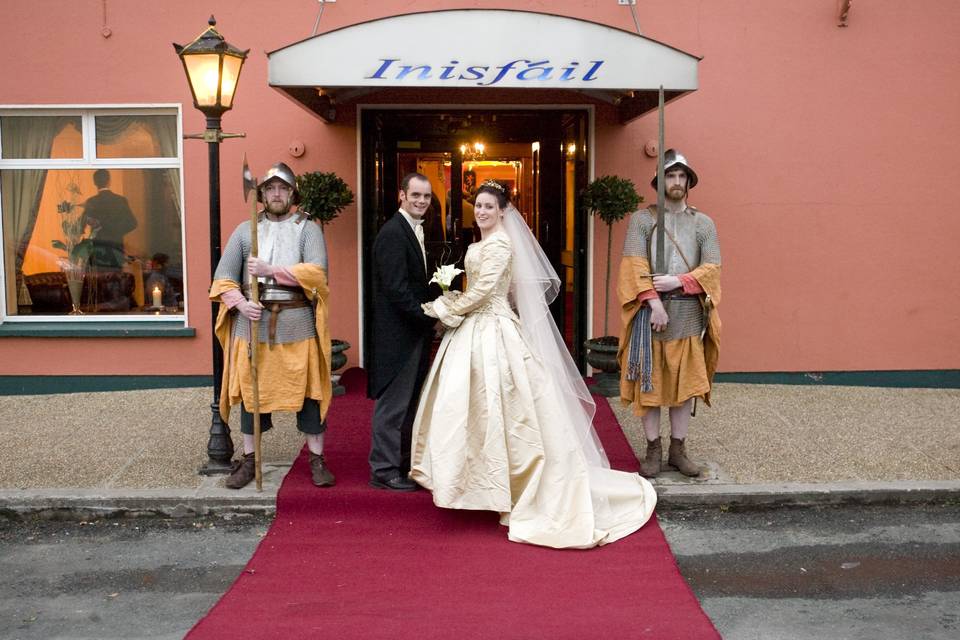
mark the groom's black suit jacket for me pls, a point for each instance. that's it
(399, 288)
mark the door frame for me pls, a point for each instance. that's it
(588, 250)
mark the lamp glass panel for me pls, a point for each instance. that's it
(231, 71)
(203, 70)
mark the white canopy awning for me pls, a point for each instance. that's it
(486, 49)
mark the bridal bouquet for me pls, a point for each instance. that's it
(444, 276)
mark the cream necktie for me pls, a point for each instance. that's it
(418, 231)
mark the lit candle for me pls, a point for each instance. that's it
(157, 297)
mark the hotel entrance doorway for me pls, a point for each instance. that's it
(540, 155)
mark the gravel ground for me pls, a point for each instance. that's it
(154, 439)
(147, 439)
(796, 433)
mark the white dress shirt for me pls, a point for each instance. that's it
(417, 226)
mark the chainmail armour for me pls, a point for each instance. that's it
(282, 244)
(696, 236)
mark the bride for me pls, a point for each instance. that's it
(505, 421)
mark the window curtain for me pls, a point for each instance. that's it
(22, 189)
(164, 130)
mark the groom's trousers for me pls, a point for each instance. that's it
(393, 415)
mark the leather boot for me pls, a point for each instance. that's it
(650, 466)
(678, 458)
(245, 471)
(319, 472)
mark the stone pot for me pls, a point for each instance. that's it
(602, 356)
(337, 360)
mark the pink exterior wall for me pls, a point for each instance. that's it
(828, 160)
(809, 140)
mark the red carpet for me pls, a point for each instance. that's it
(358, 562)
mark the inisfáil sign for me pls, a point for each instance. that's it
(522, 49)
(455, 72)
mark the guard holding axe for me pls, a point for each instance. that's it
(272, 284)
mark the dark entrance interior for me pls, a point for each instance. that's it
(540, 154)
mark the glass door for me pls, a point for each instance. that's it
(540, 156)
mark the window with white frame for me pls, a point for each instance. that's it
(92, 217)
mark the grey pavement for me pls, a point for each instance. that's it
(138, 452)
(851, 573)
(837, 573)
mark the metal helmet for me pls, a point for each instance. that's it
(673, 158)
(282, 172)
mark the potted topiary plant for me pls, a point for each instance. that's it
(611, 198)
(322, 197)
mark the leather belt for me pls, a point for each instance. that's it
(275, 308)
(676, 295)
(277, 293)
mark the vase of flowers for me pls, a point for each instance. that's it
(77, 243)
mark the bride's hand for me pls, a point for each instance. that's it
(441, 311)
(428, 309)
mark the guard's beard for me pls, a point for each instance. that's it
(277, 208)
(676, 193)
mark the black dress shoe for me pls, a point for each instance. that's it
(394, 484)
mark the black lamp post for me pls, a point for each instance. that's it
(213, 68)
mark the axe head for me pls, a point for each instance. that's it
(249, 182)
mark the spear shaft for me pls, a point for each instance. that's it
(255, 338)
(250, 187)
(661, 266)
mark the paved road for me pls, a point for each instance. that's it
(130, 579)
(833, 573)
(830, 574)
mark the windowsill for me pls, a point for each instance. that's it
(133, 329)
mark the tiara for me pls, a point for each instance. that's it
(496, 185)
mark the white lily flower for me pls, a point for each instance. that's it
(444, 275)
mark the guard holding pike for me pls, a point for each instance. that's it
(673, 364)
(287, 309)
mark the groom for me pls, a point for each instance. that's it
(402, 333)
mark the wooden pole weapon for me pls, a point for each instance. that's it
(250, 187)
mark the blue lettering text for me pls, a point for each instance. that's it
(545, 72)
(407, 70)
(476, 71)
(448, 71)
(522, 70)
(379, 74)
(588, 76)
(503, 71)
(568, 70)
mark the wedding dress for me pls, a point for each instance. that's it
(500, 427)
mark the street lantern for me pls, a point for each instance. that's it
(213, 68)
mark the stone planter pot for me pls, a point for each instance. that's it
(602, 356)
(337, 360)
